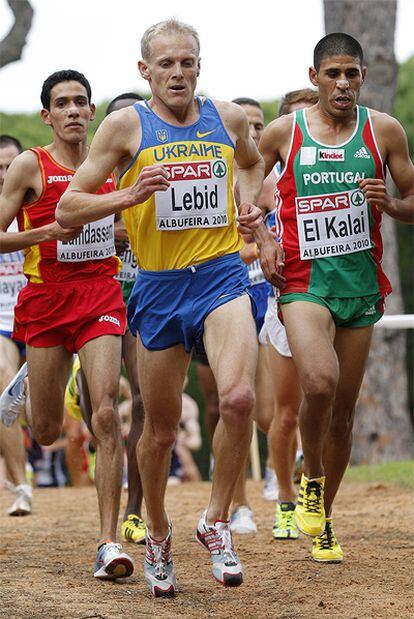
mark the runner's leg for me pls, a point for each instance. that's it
(288, 395)
(129, 356)
(48, 372)
(310, 330)
(161, 379)
(211, 404)
(352, 347)
(11, 439)
(231, 344)
(101, 361)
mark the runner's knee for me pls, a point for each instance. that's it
(46, 432)
(237, 404)
(164, 438)
(105, 420)
(319, 387)
(287, 420)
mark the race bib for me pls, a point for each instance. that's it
(332, 224)
(129, 270)
(94, 243)
(196, 197)
(12, 281)
(255, 273)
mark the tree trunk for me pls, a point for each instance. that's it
(383, 430)
(11, 47)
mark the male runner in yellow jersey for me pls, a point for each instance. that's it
(175, 153)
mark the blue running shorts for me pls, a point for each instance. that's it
(260, 294)
(169, 307)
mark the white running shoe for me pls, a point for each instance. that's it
(227, 567)
(13, 398)
(242, 522)
(158, 566)
(271, 486)
(22, 505)
(111, 563)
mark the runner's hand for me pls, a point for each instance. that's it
(63, 234)
(151, 179)
(376, 194)
(272, 263)
(249, 218)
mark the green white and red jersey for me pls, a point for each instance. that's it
(330, 234)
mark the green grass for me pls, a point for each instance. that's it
(398, 473)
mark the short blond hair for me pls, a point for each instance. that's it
(164, 27)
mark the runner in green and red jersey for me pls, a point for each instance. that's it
(330, 198)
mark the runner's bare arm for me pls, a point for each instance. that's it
(401, 168)
(275, 141)
(115, 142)
(250, 178)
(249, 164)
(249, 252)
(23, 181)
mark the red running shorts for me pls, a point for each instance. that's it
(70, 313)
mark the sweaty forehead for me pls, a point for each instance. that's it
(68, 90)
(171, 44)
(339, 61)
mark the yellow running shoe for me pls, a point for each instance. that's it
(284, 526)
(310, 512)
(133, 529)
(325, 547)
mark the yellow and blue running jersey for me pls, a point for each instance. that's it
(195, 219)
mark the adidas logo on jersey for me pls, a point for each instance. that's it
(362, 153)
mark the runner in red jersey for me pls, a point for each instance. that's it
(334, 291)
(72, 302)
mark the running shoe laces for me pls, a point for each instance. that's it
(287, 516)
(159, 556)
(327, 540)
(312, 497)
(220, 542)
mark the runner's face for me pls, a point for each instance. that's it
(256, 121)
(70, 112)
(172, 69)
(339, 81)
(7, 154)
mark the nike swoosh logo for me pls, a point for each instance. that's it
(200, 134)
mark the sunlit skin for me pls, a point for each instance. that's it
(7, 154)
(70, 112)
(172, 70)
(339, 80)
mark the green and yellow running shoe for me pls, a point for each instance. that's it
(325, 547)
(310, 511)
(133, 529)
(284, 526)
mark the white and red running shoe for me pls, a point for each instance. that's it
(158, 566)
(226, 565)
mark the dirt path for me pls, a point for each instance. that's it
(46, 562)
